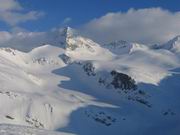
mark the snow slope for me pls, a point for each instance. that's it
(6, 129)
(72, 84)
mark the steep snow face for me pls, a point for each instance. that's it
(85, 49)
(78, 47)
(124, 47)
(74, 85)
(172, 45)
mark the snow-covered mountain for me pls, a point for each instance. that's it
(74, 85)
(124, 47)
(172, 45)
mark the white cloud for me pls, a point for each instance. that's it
(152, 25)
(23, 40)
(14, 18)
(9, 5)
(4, 36)
(67, 20)
(11, 12)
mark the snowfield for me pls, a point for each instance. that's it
(73, 85)
(6, 129)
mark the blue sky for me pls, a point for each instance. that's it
(81, 11)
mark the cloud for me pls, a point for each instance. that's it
(14, 18)
(23, 40)
(11, 12)
(4, 36)
(67, 20)
(9, 5)
(151, 25)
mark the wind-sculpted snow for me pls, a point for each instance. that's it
(72, 84)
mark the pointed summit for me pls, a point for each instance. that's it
(69, 39)
(67, 32)
(59, 37)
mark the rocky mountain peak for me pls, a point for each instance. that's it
(67, 32)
